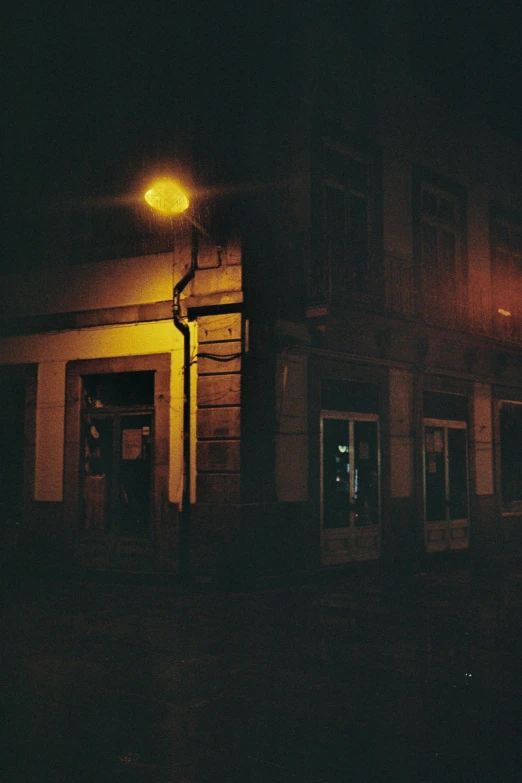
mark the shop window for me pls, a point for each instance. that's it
(511, 455)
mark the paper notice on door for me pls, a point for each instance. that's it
(131, 444)
(364, 450)
(432, 465)
(438, 441)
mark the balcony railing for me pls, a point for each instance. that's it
(399, 287)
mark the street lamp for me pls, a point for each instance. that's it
(166, 196)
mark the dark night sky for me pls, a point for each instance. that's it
(95, 91)
(98, 89)
(473, 45)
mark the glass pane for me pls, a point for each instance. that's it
(503, 262)
(516, 240)
(366, 465)
(357, 171)
(357, 260)
(121, 389)
(503, 280)
(429, 204)
(435, 475)
(511, 452)
(358, 219)
(501, 235)
(334, 164)
(446, 212)
(438, 405)
(135, 474)
(447, 259)
(335, 222)
(336, 474)
(429, 249)
(357, 397)
(458, 474)
(97, 472)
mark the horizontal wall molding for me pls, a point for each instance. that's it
(82, 319)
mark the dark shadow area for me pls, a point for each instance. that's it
(360, 676)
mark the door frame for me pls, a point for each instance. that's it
(163, 517)
(443, 538)
(367, 553)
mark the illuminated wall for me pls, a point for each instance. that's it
(99, 285)
(52, 351)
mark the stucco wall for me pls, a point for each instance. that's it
(52, 351)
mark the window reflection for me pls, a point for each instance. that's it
(350, 473)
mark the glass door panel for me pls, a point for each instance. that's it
(350, 502)
(446, 485)
(98, 446)
(458, 474)
(336, 474)
(366, 472)
(435, 471)
(117, 469)
(135, 473)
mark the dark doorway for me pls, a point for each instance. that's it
(117, 454)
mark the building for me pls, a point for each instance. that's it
(355, 376)
(92, 373)
(396, 393)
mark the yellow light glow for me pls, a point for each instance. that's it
(503, 312)
(167, 197)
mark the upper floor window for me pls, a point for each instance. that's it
(440, 246)
(106, 231)
(506, 261)
(347, 222)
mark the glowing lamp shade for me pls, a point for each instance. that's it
(167, 197)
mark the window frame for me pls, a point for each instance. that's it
(434, 303)
(504, 286)
(322, 286)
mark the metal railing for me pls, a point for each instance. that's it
(397, 286)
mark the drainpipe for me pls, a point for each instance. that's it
(183, 327)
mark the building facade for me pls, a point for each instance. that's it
(93, 369)
(387, 342)
(351, 386)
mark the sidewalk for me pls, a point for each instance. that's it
(361, 677)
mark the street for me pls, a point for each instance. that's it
(361, 677)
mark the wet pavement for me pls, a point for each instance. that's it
(361, 677)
